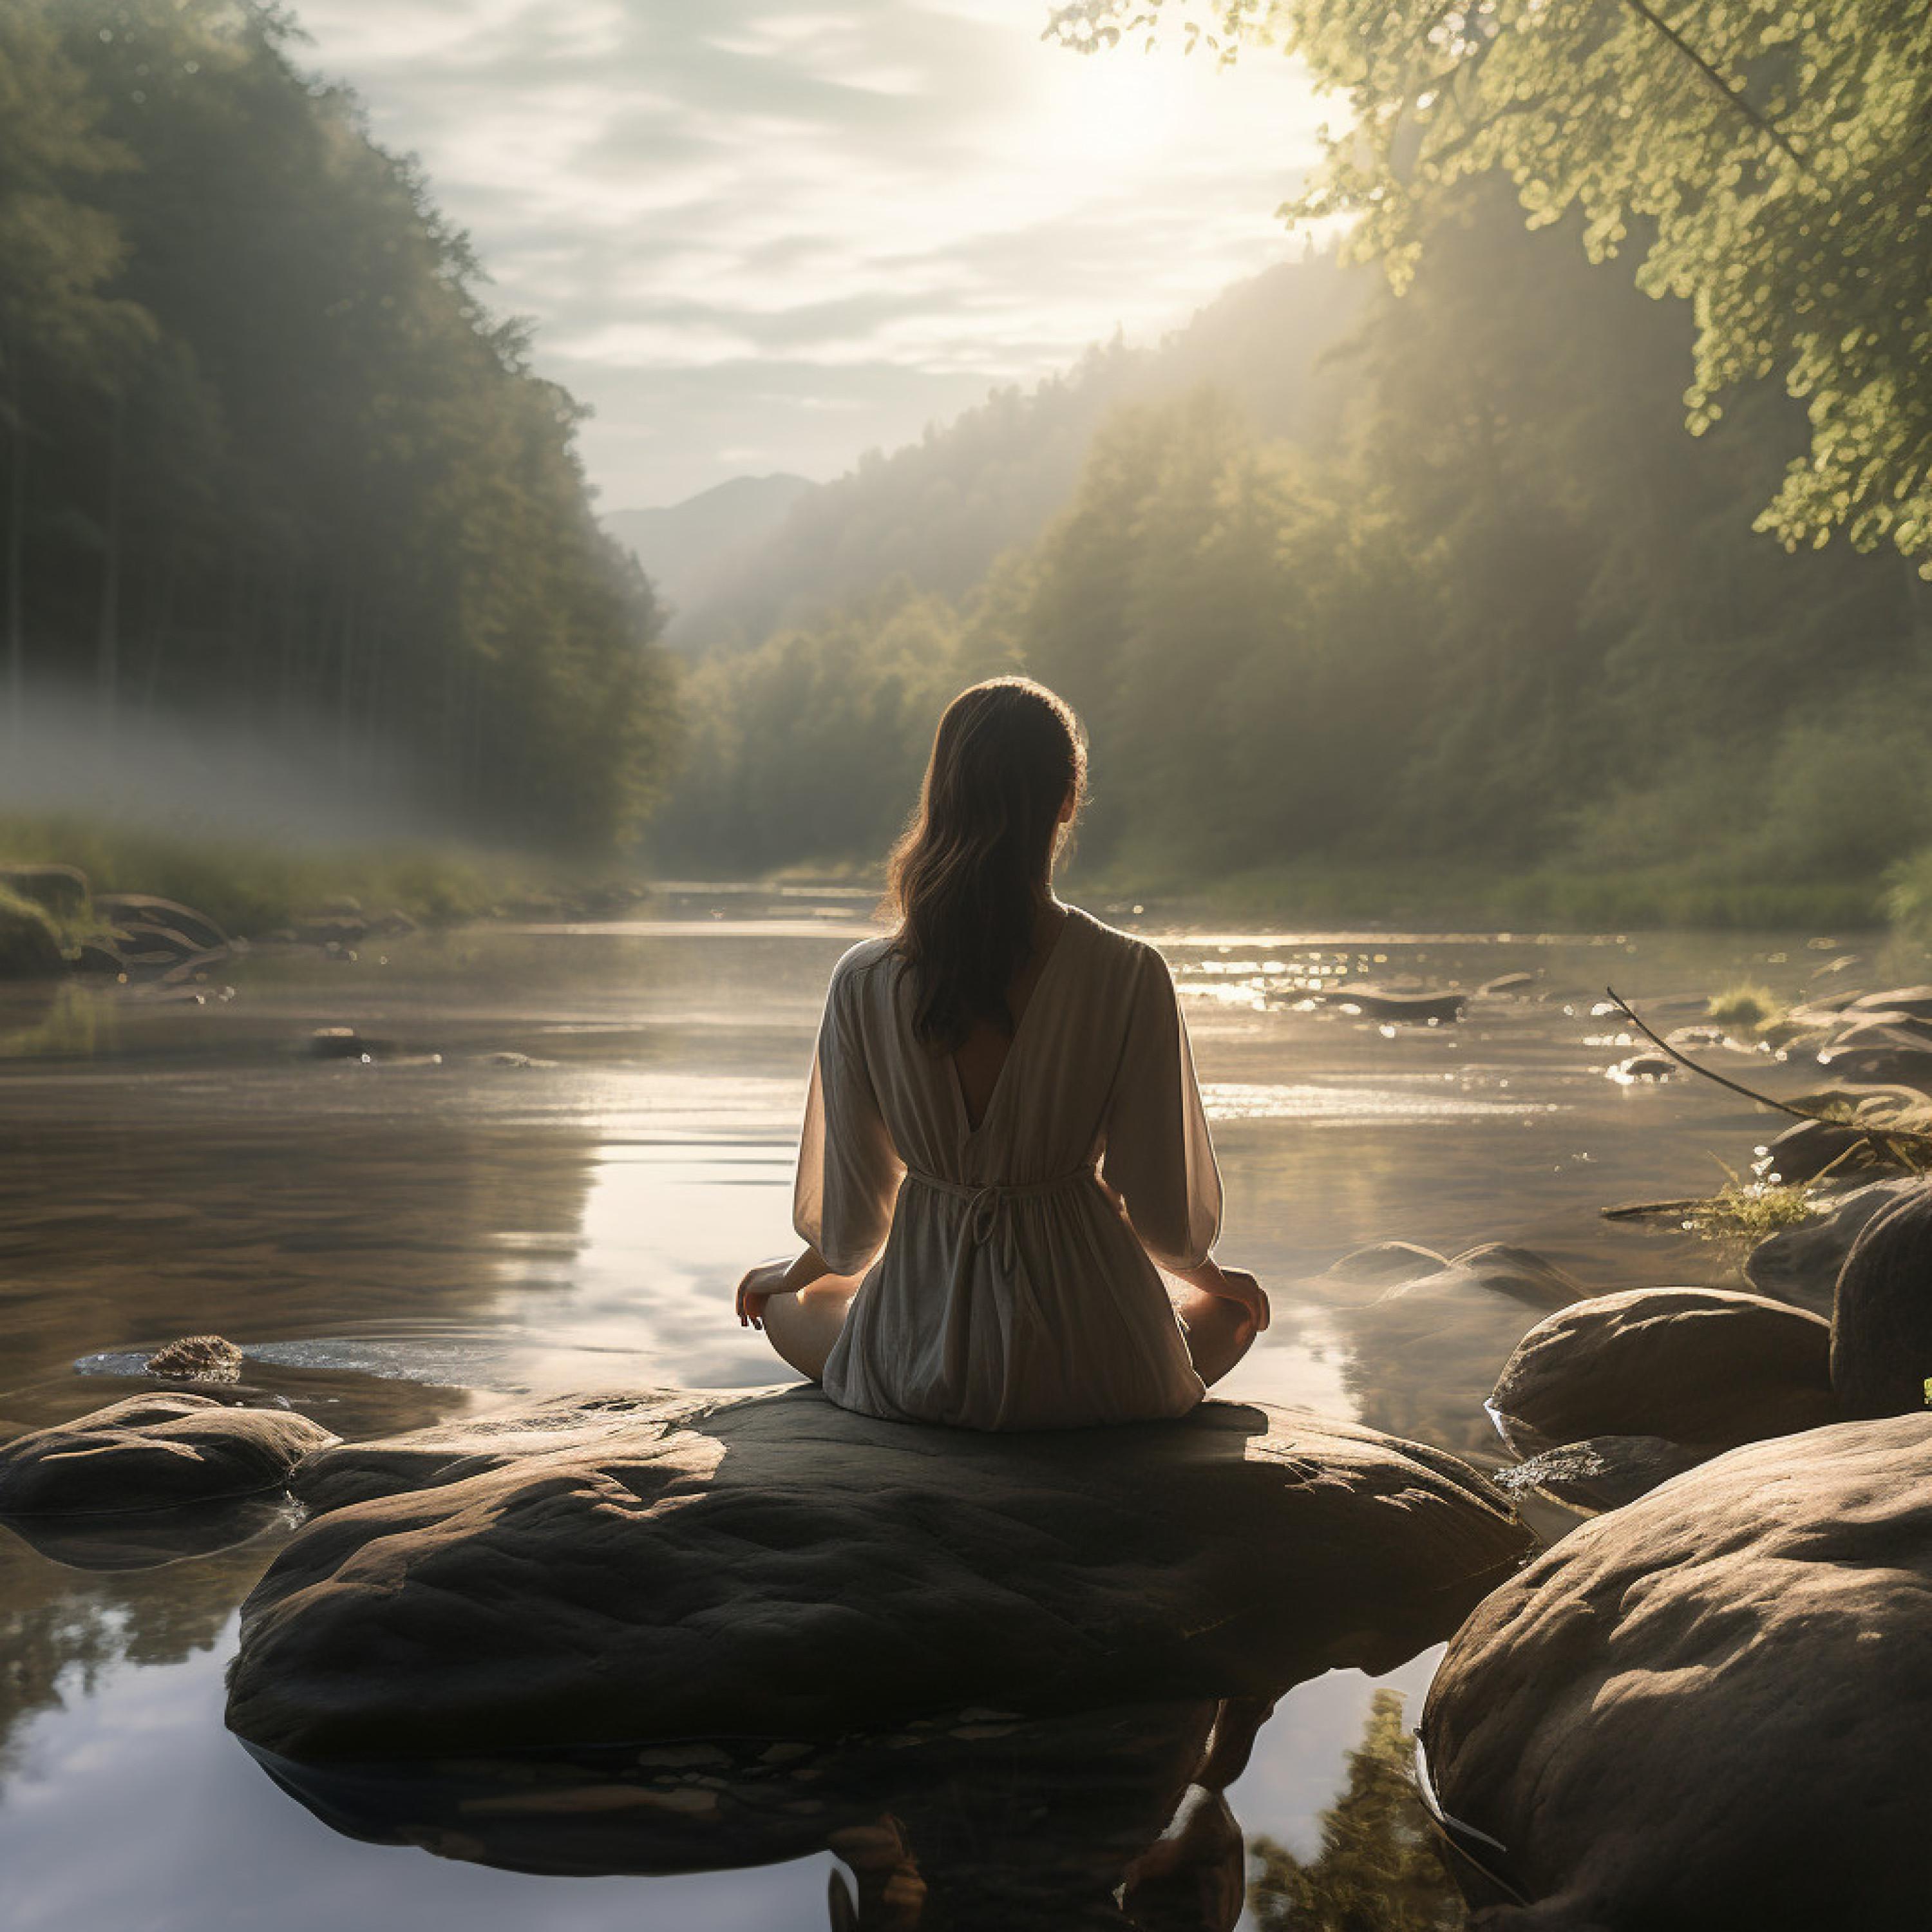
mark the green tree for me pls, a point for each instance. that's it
(1770, 162)
(1377, 1871)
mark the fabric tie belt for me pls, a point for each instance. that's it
(986, 1214)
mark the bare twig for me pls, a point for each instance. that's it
(1888, 1140)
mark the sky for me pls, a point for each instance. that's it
(758, 237)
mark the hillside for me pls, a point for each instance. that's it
(685, 548)
(936, 514)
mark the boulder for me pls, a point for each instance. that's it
(630, 1567)
(1494, 1268)
(1709, 1708)
(1706, 1366)
(152, 1452)
(1801, 1263)
(1882, 1311)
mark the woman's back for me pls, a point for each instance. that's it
(1011, 1292)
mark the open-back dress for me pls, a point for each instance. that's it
(1006, 1288)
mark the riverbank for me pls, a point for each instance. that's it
(255, 890)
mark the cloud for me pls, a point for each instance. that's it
(747, 225)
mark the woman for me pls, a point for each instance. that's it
(1004, 1141)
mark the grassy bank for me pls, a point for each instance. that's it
(1450, 895)
(255, 888)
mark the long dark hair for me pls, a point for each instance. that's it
(966, 878)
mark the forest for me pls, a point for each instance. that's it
(1450, 588)
(1516, 556)
(269, 458)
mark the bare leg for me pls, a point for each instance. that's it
(803, 1327)
(1218, 1332)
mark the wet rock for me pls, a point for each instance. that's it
(1496, 1268)
(126, 909)
(1635, 1733)
(1904, 1064)
(1603, 1472)
(1692, 1365)
(1505, 983)
(1643, 1066)
(155, 1451)
(1377, 1003)
(1808, 1148)
(1882, 1313)
(201, 1358)
(58, 890)
(690, 1565)
(1801, 1263)
(1383, 1264)
(1916, 1000)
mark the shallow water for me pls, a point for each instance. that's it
(566, 1144)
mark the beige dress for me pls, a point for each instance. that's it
(1004, 1290)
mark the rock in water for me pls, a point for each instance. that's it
(626, 1568)
(1801, 1263)
(1694, 1365)
(1882, 1311)
(1710, 1709)
(198, 1358)
(154, 1452)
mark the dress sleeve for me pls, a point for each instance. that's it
(1159, 1158)
(848, 1169)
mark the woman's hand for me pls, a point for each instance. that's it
(759, 1285)
(1237, 1286)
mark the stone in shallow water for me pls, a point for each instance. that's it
(1802, 1263)
(201, 1358)
(1603, 1472)
(1709, 1708)
(685, 1565)
(154, 1452)
(1702, 1365)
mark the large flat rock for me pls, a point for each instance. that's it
(1709, 1708)
(689, 1565)
(154, 1452)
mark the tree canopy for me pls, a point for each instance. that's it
(1768, 161)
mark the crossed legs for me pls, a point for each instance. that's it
(801, 1327)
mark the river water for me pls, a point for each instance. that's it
(564, 1145)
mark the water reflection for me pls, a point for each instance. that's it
(1113, 1818)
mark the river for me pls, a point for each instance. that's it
(565, 1144)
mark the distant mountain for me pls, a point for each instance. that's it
(938, 512)
(683, 546)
